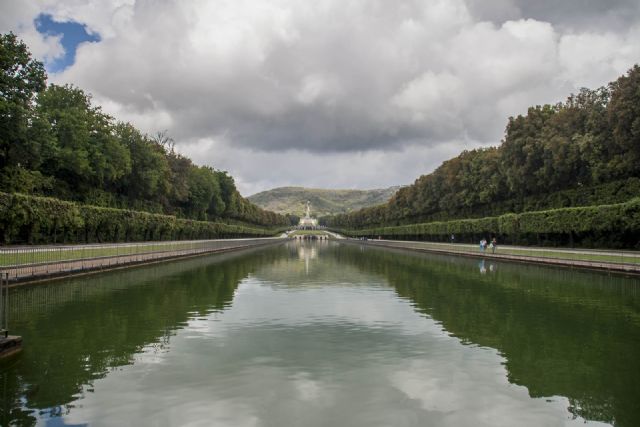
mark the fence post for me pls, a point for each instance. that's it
(2, 276)
(4, 303)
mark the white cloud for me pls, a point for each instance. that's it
(589, 59)
(447, 387)
(431, 100)
(18, 16)
(102, 17)
(342, 84)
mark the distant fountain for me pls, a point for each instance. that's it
(308, 223)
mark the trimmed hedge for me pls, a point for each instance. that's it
(42, 220)
(616, 225)
(619, 191)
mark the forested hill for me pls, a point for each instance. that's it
(292, 200)
(584, 151)
(55, 142)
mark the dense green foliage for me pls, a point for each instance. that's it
(32, 219)
(292, 200)
(54, 142)
(585, 151)
(616, 225)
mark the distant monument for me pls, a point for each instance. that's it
(308, 223)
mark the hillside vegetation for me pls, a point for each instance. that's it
(292, 200)
(54, 142)
(584, 151)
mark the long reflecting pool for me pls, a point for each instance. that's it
(327, 334)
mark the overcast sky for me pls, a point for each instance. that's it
(327, 93)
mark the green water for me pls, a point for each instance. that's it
(322, 334)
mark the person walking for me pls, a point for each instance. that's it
(494, 245)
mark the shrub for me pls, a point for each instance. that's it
(616, 225)
(31, 219)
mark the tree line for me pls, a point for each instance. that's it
(54, 142)
(584, 151)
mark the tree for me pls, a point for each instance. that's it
(583, 151)
(624, 118)
(89, 156)
(203, 185)
(180, 167)
(54, 141)
(148, 182)
(21, 79)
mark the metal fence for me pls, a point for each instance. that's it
(628, 261)
(30, 262)
(4, 305)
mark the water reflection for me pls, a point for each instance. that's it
(314, 333)
(80, 330)
(482, 266)
(308, 250)
(562, 332)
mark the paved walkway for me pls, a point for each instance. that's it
(44, 270)
(469, 247)
(620, 261)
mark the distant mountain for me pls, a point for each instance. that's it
(323, 202)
